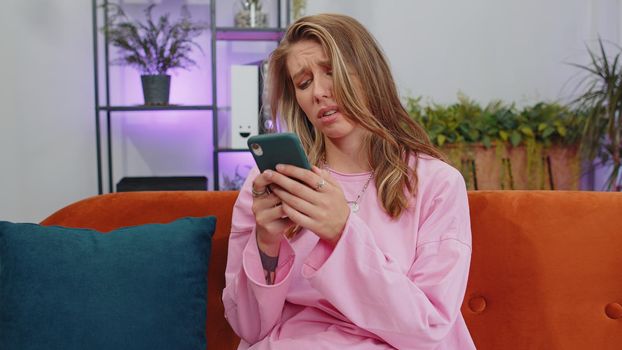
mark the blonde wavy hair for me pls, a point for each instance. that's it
(393, 136)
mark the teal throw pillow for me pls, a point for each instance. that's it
(140, 287)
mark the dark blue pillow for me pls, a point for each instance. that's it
(141, 287)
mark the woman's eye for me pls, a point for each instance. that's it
(304, 84)
(330, 72)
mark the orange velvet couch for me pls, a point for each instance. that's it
(546, 270)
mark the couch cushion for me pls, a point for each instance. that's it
(113, 210)
(140, 287)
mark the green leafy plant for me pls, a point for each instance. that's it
(601, 102)
(153, 46)
(461, 127)
(467, 122)
(447, 124)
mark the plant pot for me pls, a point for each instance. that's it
(556, 167)
(565, 167)
(506, 167)
(156, 89)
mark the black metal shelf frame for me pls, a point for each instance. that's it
(217, 34)
(233, 150)
(237, 34)
(155, 108)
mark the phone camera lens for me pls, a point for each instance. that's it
(257, 149)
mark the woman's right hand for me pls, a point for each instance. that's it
(269, 216)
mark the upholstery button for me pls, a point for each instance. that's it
(477, 304)
(614, 310)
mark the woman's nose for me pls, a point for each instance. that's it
(322, 88)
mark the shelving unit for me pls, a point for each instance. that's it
(218, 34)
(237, 34)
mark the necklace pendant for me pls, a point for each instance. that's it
(354, 206)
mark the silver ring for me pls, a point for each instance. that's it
(258, 193)
(320, 184)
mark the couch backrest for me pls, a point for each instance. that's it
(545, 270)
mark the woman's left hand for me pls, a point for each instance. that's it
(317, 204)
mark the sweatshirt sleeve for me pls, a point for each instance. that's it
(252, 307)
(413, 308)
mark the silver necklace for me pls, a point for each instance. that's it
(354, 205)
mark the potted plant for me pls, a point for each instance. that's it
(153, 47)
(602, 103)
(500, 146)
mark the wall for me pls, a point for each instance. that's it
(46, 102)
(487, 49)
(512, 50)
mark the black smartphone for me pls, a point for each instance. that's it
(282, 148)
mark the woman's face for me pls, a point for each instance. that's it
(311, 73)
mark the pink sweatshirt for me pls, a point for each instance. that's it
(386, 284)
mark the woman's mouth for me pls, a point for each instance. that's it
(327, 112)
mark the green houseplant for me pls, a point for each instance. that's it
(602, 102)
(153, 47)
(501, 146)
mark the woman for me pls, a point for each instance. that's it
(370, 249)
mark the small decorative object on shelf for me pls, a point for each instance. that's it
(250, 15)
(153, 47)
(299, 8)
(235, 183)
